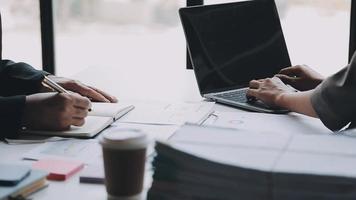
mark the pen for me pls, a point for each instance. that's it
(53, 85)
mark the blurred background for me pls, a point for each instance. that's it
(122, 33)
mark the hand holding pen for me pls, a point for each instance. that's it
(54, 86)
(55, 111)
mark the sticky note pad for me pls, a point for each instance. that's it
(59, 170)
(11, 175)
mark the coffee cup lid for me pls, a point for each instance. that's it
(124, 139)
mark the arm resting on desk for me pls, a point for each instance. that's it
(11, 115)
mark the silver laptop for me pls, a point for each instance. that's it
(232, 44)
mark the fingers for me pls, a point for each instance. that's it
(76, 109)
(111, 98)
(80, 113)
(252, 93)
(286, 79)
(81, 102)
(78, 121)
(254, 84)
(92, 94)
(292, 71)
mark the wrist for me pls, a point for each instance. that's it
(280, 100)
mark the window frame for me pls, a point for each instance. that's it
(47, 36)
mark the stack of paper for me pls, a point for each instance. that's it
(215, 163)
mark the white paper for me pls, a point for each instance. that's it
(259, 159)
(86, 151)
(268, 123)
(231, 137)
(324, 144)
(32, 139)
(89, 151)
(162, 113)
(319, 164)
(110, 109)
(320, 154)
(154, 132)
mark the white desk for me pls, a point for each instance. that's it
(175, 84)
(157, 82)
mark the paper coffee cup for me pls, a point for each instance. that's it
(124, 153)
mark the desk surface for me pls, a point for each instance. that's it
(139, 83)
(158, 82)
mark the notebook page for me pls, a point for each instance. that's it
(93, 125)
(109, 109)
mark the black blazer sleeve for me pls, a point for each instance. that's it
(11, 112)
(19, 78)
(335, 99)
(16, 81)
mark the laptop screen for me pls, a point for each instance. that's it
(231, 44)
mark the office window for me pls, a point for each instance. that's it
(118, 34)
(121, 33)
(21, 31)
(316, 32)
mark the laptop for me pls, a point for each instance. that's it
(230, 45)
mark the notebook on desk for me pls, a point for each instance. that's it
(101, 116)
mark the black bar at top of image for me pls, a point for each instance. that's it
(47, 36)
(192, 3)
(352, 45)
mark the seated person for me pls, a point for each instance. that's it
(333, 100)
(25, 102)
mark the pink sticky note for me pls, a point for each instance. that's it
(58, 170)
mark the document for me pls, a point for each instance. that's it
(268, 123)
(89, 151)
(163, 113)
(154, 132)
(86, 151)
(292, 153)
(217, 137)
(33, 139)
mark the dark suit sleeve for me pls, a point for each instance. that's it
(16, 81)
(19, 78)
(11, 115)
(335, 99)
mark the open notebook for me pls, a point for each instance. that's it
(101, 116)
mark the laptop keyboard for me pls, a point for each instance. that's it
(236, 95)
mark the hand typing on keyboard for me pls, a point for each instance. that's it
(268, 91)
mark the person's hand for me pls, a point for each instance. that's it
(55, 111)
(92, 93)
(268, 90)
(300, 77)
